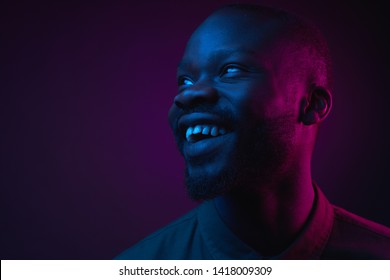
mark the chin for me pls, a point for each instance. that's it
(209, 180)
(206, 187)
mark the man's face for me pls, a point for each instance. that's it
(235, 114)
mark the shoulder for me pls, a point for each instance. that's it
(354, 237)
(169, 242)
(353, 220)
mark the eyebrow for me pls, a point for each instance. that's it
(218, 54)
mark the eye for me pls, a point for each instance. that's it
(232, 70)
(184, 81)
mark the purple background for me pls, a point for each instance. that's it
(88, 162)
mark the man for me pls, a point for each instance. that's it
(254, 86)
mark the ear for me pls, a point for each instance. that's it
(316, 107)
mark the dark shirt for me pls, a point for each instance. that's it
(330, 233)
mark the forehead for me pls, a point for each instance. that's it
(230, 32)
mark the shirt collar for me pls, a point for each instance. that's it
(312, 241)
(223, 244)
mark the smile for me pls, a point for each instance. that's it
(200, 132)
(205, 135)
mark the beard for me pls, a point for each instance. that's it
(205, 187)
(262, 150)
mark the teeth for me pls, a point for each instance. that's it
(189, 132)
(214, 131)
(197, 129)
(205, 130)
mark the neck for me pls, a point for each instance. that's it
(269, 217)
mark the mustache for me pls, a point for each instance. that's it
(225, 114)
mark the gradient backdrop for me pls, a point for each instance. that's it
(88, 162)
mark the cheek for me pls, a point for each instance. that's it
(263, 99)
(267, 107)
(269, 104)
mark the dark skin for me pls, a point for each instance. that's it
(244, 64)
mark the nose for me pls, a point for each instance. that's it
(199, 93)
